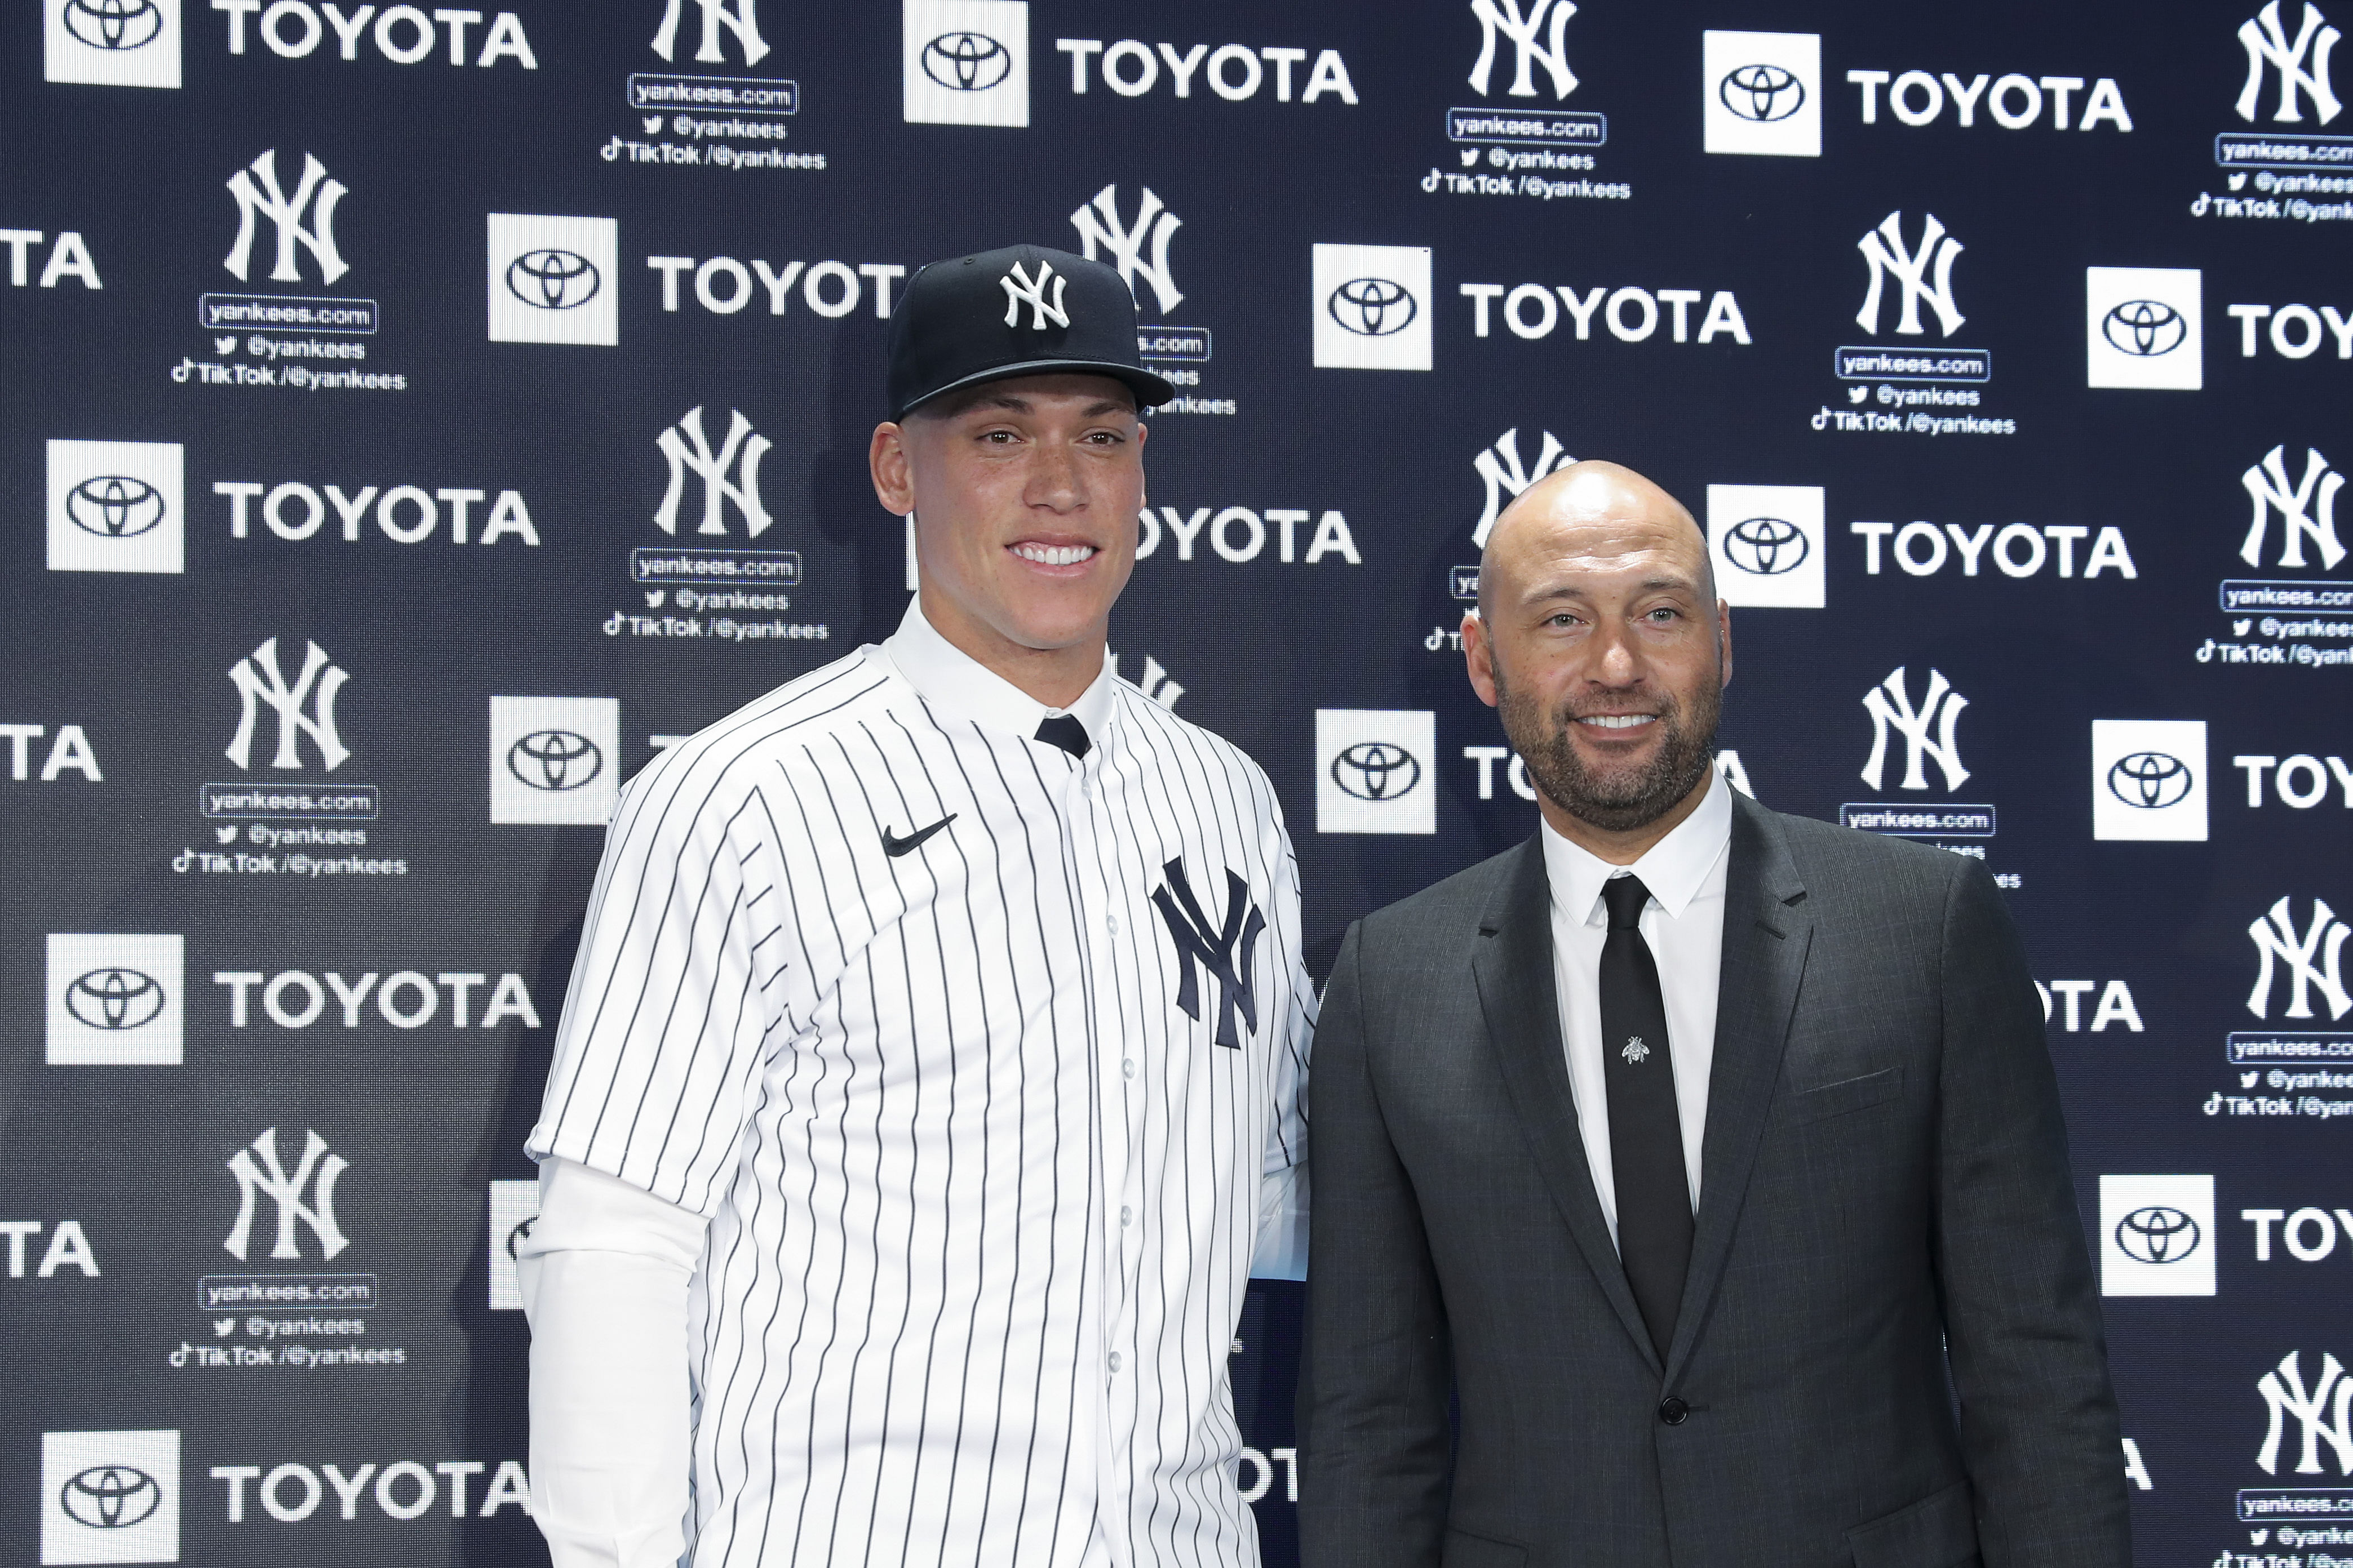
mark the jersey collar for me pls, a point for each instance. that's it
(952, 681)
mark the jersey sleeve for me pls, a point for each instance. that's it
(1282, 1248)
(659, 1052)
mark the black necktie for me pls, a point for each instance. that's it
(1646, 1138)
(1072, 736)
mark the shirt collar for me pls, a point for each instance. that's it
(951, 680)
(1675, 868)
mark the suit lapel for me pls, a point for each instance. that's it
(1767, 934)
(1516, 993)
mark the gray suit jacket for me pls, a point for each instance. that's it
(1889, 1349)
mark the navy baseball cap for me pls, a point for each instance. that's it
(1021, 311)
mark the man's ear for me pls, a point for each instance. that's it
(1479, 659)
(887, 463)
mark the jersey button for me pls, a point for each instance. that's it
(1110, 924)
(1127, 1215)
(1114, 1360)
(1127, 1069)
(1673, 1411)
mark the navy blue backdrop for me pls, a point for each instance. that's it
(415, 417)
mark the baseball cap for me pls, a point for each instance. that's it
(1021, 311)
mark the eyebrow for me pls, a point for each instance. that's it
(1578, 591)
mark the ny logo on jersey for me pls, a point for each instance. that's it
(270, 1177)
(741, 21)
(269, 200)
(1099, 227)
(2300, 519)
(1884, 248)
(1504, 16)
(2266, 41)
(1223, 950)
(744, 448)
(1021, 289)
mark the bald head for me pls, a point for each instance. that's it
(1588, 513)
(1600, 640)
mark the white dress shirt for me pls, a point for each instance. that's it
(923, 1162)
(1683, 924)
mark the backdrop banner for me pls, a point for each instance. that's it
(415, 418)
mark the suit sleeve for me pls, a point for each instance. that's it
(1375, 1374)
(2039, 1424)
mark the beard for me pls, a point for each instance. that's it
(1622, 799)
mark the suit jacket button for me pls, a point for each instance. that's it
(1672, 1410)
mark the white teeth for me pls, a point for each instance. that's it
(1617, 720)
(1054, 554)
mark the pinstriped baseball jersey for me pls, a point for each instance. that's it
(975, 1054)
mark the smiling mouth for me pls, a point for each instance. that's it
(1056, 554)
(1618, 721)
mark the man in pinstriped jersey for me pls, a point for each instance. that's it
(932, 1073)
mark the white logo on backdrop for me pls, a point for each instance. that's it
(1503, 19)
(2300, 519)
(1890, 707)
(1884, 248)
(692, 451)
(2266, 41)
(317, 1170)
(316, 191)
(2321, 1412)
(1098, 226)
(259, 680)
(737, 17)
(1506, 476)
(2313, 962)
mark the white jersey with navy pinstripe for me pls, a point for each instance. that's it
(980, 1126)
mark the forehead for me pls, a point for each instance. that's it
(1058, 392)
(1614, 547)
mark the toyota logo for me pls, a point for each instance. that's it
(109, 1497)
(553, 279)
(1372, 307)
(966, 62)
(1376, 770)
(2150, 780)
(113, 24)
(114, 506)
(1761, 92)
(554, 758)
(114, 998)
(2144, 328)
(1765, 545)
(2157, 1235)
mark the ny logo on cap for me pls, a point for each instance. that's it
(1021, 289)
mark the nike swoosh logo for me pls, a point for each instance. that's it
(895, 847)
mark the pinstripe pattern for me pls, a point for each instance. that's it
(983, 1196)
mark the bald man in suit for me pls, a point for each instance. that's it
(1707, 1160)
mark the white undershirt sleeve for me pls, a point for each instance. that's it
(603, 1277)
(1281, 1249)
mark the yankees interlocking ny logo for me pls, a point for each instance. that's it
(1224, 951)
(1021, 289)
